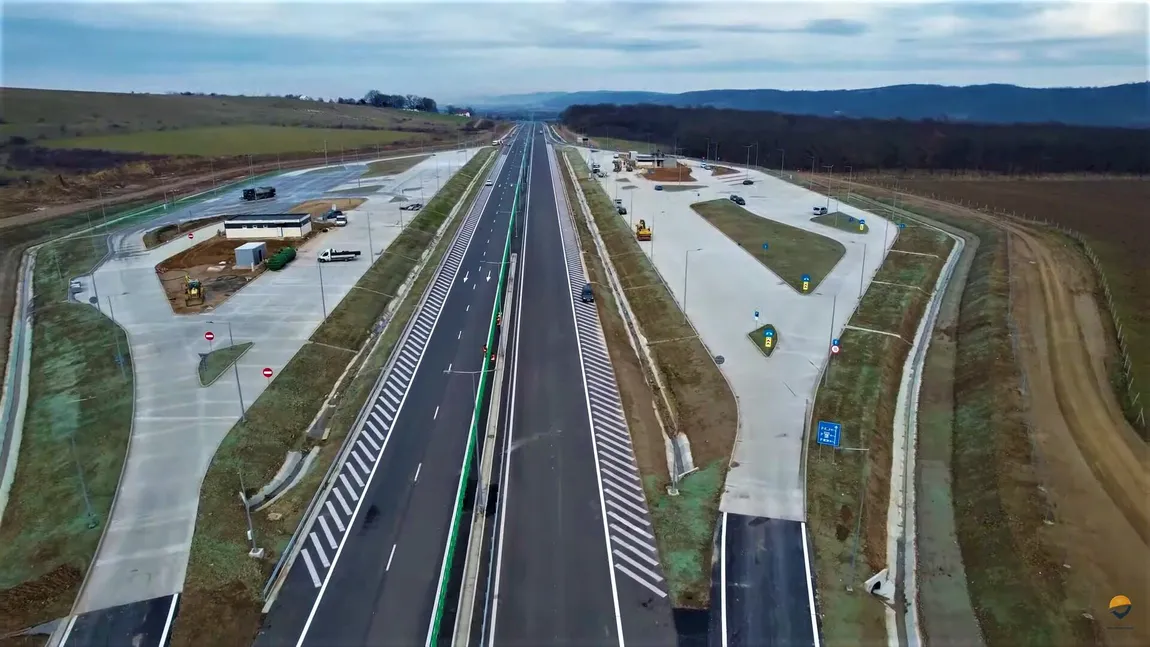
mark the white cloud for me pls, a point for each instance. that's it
(474, 47)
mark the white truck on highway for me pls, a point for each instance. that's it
(331, 255)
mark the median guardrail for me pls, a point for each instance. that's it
(476, 415)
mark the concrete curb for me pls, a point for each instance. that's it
(9, 410)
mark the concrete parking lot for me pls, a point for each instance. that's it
(722, 287)
(178, 424)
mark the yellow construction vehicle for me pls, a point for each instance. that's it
(193, 291)
(641, 231)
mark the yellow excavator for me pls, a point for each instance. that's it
(641, 231)
(193, 291)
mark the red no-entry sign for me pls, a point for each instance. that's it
(209, 335)
(191, 235)
(268, 373)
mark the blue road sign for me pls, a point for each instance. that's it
(902, 225)
(829, 433)
(835, 341)
(765, 245)
(850, 218)
(862, 221)
(806, 277)
(756, 314)
(768, 333)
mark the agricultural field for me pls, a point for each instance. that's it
(39, 115)
(1111, 213)
(225, 141)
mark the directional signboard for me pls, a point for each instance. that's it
(829, 433)
(806, 282)
(768, 338)
(862, 224)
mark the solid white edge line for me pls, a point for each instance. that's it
(168, 622)
(68, 631)
(504, 490)
(723, 577)
(462, 472)
(375, 466)
(810, 589)
(587, 398)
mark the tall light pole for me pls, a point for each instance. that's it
(236, 370)
(686, 262)
(782, 160)
(830, 169)
(747, 170)
(322, 300)
(850, 176)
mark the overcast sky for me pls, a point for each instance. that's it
(460, 50)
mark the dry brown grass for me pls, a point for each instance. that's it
(317, 208)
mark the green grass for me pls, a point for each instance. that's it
(77, 390)
(678, 188)
(213, 364)
(842, 222)
(238, 140)
(692, 515)
(860, 391)
(222, 581)
(54, 114)
(1015, 585)
(392, 167)
(791, 252)
(703, 404)
(759, 340)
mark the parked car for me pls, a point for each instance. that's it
(622, 210)
(658, 187)
(588, 296)
(414, 206)
(738, 199)
(489, 183)
(748, 182)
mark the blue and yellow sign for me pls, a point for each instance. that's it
(768, 338)
(806, 282)
(1120, 606)
(862, 224)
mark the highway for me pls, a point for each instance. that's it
(573, 560)
(369, 571)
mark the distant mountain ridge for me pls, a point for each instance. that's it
(1125, 106)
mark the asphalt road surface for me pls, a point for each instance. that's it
(555, 582)
(381, 584)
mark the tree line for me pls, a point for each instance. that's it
(798, 142)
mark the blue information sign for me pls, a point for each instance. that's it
(862, 221)
(902, 225)
(806, 277)
(829, 433)
(768, 333)
(835, 342)
(850, 218)
(765, 245)
(756, 314)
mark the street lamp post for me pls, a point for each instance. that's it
(782, 160)
(236, 370)
(850, 178)
(91, 514)
(830, 169)
(322, 300)
(686, 262)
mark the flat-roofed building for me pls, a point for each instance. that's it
(268, 225)
(648, 159)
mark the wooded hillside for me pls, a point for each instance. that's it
(867, 144)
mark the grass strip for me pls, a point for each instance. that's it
(704, 406)
(221, 601)
(842, 222)
(848, 491)
(213, 364)
(759, 337)
(393, 166)
(77, 421)
(790, 252)
(1016, 587)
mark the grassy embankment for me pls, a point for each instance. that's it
(222, 594)
(1015, 584)
(842, 222)
(77, 422)
(791, 252)
(704, 406)
(848, 491)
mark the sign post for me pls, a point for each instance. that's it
(765, 247)
(768, 338)
(835, 347)
(862, 224)
(268, 374)
(191, 235)
(756, 318)
(806, 283)
(209, 335)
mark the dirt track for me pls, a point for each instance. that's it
(1098, 493)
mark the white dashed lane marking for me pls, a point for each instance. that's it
(628, 522)
(337, 510)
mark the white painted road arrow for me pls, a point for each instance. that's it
(488, 275)
(465, 275)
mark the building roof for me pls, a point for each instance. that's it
(252, 245)
(263, 218)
